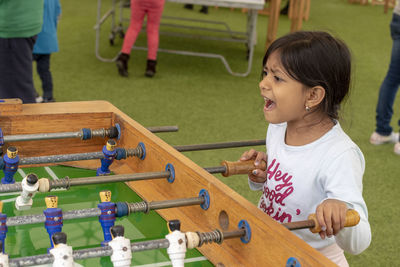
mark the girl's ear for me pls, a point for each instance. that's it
(315, 95)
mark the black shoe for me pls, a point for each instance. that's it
(122, 64)
(47, 100)
(204, 9)
(127, 4)
(150, 68)
(188, 6)
(285, 10)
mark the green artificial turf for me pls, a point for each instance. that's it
(209, 105)
(32, 239)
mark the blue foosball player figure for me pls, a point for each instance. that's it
(10, 161)
(110, 153)
(107, 216)
(54, 217)
(3, 227)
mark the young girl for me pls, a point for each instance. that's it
(139, 9)
(313, 166)
(46, 44)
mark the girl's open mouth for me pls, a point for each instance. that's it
(269, 104)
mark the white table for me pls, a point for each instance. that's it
(248, 37)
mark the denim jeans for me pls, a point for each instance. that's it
(391, 83)
(43, 69)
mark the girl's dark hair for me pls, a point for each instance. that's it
(316, 58)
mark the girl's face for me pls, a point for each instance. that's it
(284, 97)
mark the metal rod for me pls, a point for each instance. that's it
(6, 188)
(26, 219)
(31, 260)
(208, 237)
(145, 206)
(82, 254)
(80, 214)
(149, 245)
(162, 129)
(92, 253)
(218, 237)
(41, 218)
(66, 182)
(299, 225)
(94, 212)
(220, 145)
(234, 234)
(94, 133)
(128, 152)
(61, 158)
(218, 169)
(157, 205)
(110, 132)
(43, 136)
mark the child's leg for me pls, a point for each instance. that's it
(335, 254)
(39, 99)
(153, 25)
(137, 16)
(390, 85)
(16, 69)
(43, 69)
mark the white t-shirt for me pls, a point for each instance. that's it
(301, 177)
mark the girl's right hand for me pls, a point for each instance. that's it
(257, 175)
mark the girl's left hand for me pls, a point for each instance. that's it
(331, 215)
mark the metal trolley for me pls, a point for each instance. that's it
(248, 37)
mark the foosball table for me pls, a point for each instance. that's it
(118, 194)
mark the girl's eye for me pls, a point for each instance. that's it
(264, 73)
(277, 79)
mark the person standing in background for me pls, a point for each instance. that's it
(20, 22)
(139, 9)
(204, 9)
(387, 93)
(46, 44)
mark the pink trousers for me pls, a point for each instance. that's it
(139, 8)
(335, 254)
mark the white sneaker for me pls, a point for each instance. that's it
(396, 148)
(39, 99)
(377, 139)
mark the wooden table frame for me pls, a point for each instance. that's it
(271, 244)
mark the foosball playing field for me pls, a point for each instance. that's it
(86, 168)
(27, 240)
